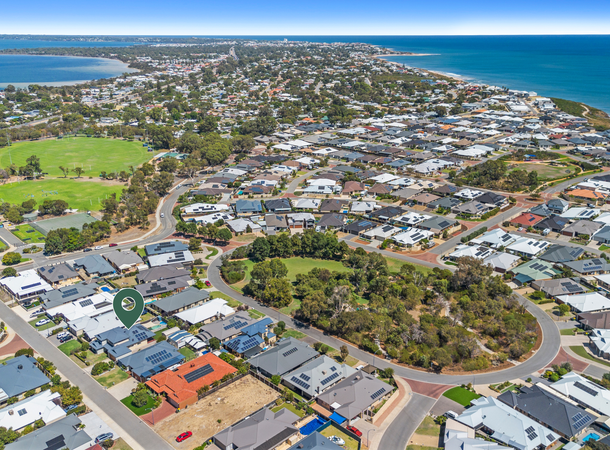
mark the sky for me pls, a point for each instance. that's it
(314, 17)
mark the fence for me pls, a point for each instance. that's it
(266, 381)
(221, 385)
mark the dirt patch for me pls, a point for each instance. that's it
(230, 405)
(426, 441)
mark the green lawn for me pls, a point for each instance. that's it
(69, 346)
(32, 322)
(546, 172)
(188, 353)
(293, 334)
(230, 300)
(82, 195)
(254, 314)
(350, 443)
(213, 252)
(580, 351)
(460, 395)
(120, 444)
(568, 332)
(115, 376)
(93, 154)
(395, 264)
(428, 427)
(138, 411)
(603, 247)
(28, 234)
(289, 407)
(288, 310)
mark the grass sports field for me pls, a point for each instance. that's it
(93, 154)
(82, 195)
(545, 171)
(28, 234)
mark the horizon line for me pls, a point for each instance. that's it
(190, 36)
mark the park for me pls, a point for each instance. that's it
(93, 155)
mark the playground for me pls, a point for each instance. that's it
(81, 195)
(94, 155)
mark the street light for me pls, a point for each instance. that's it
(153, 414)
(368, 441)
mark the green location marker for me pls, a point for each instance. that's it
(128, 306)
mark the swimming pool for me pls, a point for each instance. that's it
(312, 426)
(590, 436)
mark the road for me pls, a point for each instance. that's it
(400, 430)
(128, 421)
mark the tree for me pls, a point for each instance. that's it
(344, 352)
(161, 183)
(564, 309)
(11, 258)
(276, 379)
(278, 292)
(13, 215)
(214, 343)
(9, 272)
(260, 249)
(78, 171)
(140, 398)
(224, 234)
(194, 244)
(65, 170)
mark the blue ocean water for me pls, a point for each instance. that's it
(571, 67)
(22, 70)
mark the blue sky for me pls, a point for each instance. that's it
(314, 17)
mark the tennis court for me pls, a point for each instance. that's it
(69, 221)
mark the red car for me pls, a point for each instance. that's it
(112, 245)
(207, 283)
(355, 430)
(184, 436)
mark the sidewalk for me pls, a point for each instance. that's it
(389, 415)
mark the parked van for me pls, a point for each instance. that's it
(451, 415)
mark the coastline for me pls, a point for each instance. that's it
(454, 77)
(107, 63)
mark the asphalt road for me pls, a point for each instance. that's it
(404, 425)
(128, 421)
(545, 354)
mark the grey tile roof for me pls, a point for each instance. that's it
(152, 360)
(283, 358)
(67, 294)
(57, 273)
(64, 433)
(318, 375)
(585, 266)
(562, 253)
(160, 273)
(120, 258)
(162, 286)
(95, 265)
(19, 375)
(226, 328)
(558, 415)
(165, 247)
(248, 206)
(182, 299)
(315, 441)
(559, 286)
(436, 223)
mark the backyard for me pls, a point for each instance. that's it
(350, 442)
(115, 376)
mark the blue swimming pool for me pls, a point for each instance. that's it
(590, 436)
(312, 426)
(105, 289)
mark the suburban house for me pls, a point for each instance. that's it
(591, 321)
(558, 286)
(158, 288)
(586, 393)
(58, 275)
(262, 430)
(381, 233)
(94, 265)
(252, 339)
(354, 397)
(587, 302)
(359, 226)
(599, 342)
(188, 298)
(558, 253)
(26, 285)
(180, 386)
(66, 433)
(553, 223)
(438, 225)
(333, 205)
(241, 226)
(506, 425)
(317, 376)
(526, 220)
(67, 294)
(331, 221)
(120, 341)
(494, 238)
(182, 258)
(560, 416)
(502, 262)
(151, 360)
(558, 205)
(275, 222)
(123, 261)
(226, 328)
(285, 357)
(527, 247)
(315, 441)
(161, 273)
(19, 375)
(244, 207)
(593, 266)
(45, 405)
(280, 205)
(533, 270)
(211, 310)
(471, 209)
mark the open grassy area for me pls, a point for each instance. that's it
(28, 234)
(460, 395)
(580, 351)
(293, 334)
(288, 310)
(188, 353)
(289, 407)
(82, 195)
(395, 264)
(67, 347)
(32, 322)
(115, 376)
(546, 172)
(254, 314)
(231, 301)
(138, 411)
(350, 443)
(603, 247)
(428, 427)
(93, 154)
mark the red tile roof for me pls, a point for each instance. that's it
(527, 219)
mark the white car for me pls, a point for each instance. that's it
(98, 247)
(162, 215)
(42, 322)
(336, 440)
(62, 334)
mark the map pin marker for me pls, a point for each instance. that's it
(128, 306)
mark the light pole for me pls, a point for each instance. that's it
(368, 440)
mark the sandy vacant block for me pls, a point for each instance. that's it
(230, 404)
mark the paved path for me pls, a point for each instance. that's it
(131, 427)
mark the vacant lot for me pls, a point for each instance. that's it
(229, 405)
(547, 172)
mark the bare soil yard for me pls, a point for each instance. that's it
(230, 404)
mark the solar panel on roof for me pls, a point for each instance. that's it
(289, 352)
(85, 303)
(585, 388)
(532, 436)
(550, 437)
(56, 443)
(328, 379)
(376, 394)
(30, 286)
(305, 377)
(198, 373)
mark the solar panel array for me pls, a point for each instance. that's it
(378, 393)
(531, 433)
(236, 324)
(22, 412)
(198, 373)
(87, 302)
(30, 286)
(56, 443)
(585, 388)
(305, 377)
(550, 437)
(69, 292)
(289, 352)
(333, 368)
(245, 346)
(329, 378)
(300, 382)
(158, 357)
(140, 335)
(580, 420)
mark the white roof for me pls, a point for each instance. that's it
(45, 406)
(384, 231)
(307, 160)
(495, 238)
(241, 225)
(233, 171)
(384, 178)
(590, 301)
(411, 218)
(363, 206)
(600, 338)
(93, 326)
(580, 213)
(324, 151)
(203, 207)
(211, 218)
(298, 143)
(412, 236)
(322, 182)
(501, 260)
(171, 258)
(26, 283)
(603, 218)
(472, 251)
(468, 193)
(306, 203)
(528, 246)
(585, 392)
(85, 307)
(402, 182)
(508, 425)
(214, 308)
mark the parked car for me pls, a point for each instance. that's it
(98, 247)
(355, 430)
(103, 437)
(184, 436)
(162, 215)
(66, 338)
(112, 245)
(87, 249)
(451, 414)
(42, 322)
(62, 334)
(336, 440)
(207, 283)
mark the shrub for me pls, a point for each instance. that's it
(478, 363)
(99, 368)
(24, 351)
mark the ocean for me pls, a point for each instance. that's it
(570, 67)
(23, 70)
